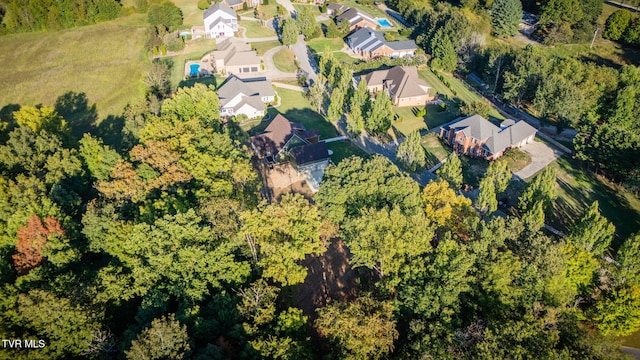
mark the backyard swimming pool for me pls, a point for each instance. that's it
(194, 69)
(384, 23)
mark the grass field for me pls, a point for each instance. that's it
(264, 46)
(342, 150)
(105, 61)
(296, 108)
(410, 122)
(342, 57)
(322, 44)
(284, 60)
(255, 30)
(191, 15)
(578, 189)
(435, 151)
(315, 10)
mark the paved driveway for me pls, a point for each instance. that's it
(306, 60)
(541, 156)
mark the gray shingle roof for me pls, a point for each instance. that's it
(218, 7)
(233, 2)
(496, 139)
(402, 45)
(354, 15)
(235, 86)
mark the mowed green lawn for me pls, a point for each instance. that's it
(435, 151)
(295, 107)
(578, 189)
(344, 149)
(255, 30)
(284, 60)
(106, 61)
(322, 44)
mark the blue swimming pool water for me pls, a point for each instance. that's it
(194, 69)
(384, 23)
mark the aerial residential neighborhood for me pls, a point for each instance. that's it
(293, 179)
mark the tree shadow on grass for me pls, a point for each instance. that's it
(74, 107)
(110, 130)
(209, 80)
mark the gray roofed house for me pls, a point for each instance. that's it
(357, 19)
(402, 84)
(244, 97)
(476, 136)
(370, 43)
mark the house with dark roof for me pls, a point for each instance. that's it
(280, 136)
(357, 19)
(219, 21)
(245, 97)
(478, 137)
(402, 84)
(239, 4)
(371, 44)
(334, 9)
(234, 56)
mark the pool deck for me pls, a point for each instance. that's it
(206, 66)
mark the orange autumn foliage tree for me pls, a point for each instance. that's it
(32, 240)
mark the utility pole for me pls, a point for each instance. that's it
(595, 32)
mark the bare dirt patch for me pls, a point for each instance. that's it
(283, 179)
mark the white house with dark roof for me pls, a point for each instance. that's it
(478, 137)
(245, 97)
(220, 21)
(402, 84)
(370, 44)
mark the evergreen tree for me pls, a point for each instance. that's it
(335, 110)
(593, 232)
(444, 53)
(451, 171)
(505, 17)
(616, 25)
(358, 106)
(411, 154)
(380, 115)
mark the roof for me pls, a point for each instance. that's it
(218, 7)
(476, 127)
(369, 40)
(310, 153)
(275, 136)
(236, 52)
(233, 2)
(334, 6)
(496, 139)
(253, 101)
(402, 45)
(353, 15)
(400, 81)
(235, 86)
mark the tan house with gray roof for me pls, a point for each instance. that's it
(234, 56)
(478, 137)
(402, 84)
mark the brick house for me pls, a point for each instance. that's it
(478, 137)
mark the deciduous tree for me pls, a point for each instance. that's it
(380, 114)
(166, 338)
(363, 329)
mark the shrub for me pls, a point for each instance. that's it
(422, 112)
(203, 4)
(245, 6)
(442, 107)
(163, 49)
(265, 2)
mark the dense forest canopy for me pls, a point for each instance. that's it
(158, 244)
